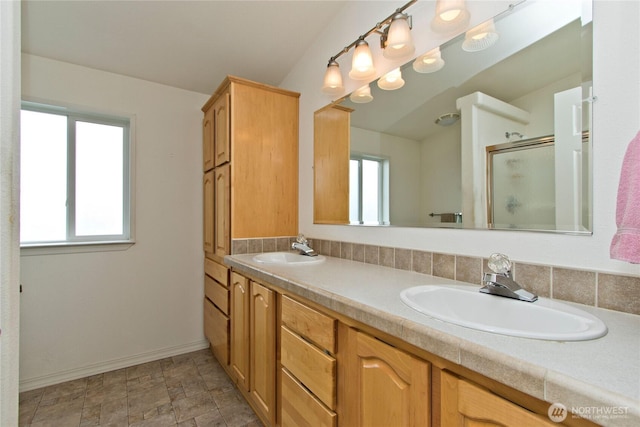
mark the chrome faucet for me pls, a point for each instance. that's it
(501, 283)
(302, 245)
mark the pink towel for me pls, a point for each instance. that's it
(625, 245)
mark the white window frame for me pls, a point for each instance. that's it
(383, 188)
(92, 243)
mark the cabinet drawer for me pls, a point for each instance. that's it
(216, 329)
(217, 293)
(309, 323)
(313, 368)
(217, 271)
(300, 408)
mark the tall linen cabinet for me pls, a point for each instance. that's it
(250, 185)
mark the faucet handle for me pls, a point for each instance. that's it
(301, 239)
(500, 264)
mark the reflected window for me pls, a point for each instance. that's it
(368, 190)
(74, 177)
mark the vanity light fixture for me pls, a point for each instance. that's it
(481, 37)
(333, 79)
(395, 40)
(430, 62)
(451, 16)
(362, 64)
(362, 95)
(392, 80)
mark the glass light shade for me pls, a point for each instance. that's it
(392, 80)
(430, 62)
(362, 95)
(362, 64)
(451, 16)
(332, 84)
(481, 37)
(399, 43)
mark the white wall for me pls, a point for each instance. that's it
(616, 121)
(9, 203)
(85, 313)
(441, 179)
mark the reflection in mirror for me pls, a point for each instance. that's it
(534, 81)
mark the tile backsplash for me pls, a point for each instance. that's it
(610, 291)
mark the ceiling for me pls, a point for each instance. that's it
(191, 45)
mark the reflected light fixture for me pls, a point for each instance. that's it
(392, 80)
(362, 64)
(447, 119)
(332, 84)
(430, 62)
(481, 37)
(396, 39)
(362, 95)
(451, 16)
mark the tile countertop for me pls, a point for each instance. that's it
(599, 376)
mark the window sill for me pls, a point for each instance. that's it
(74, 247)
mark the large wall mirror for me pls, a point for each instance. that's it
(498, 138)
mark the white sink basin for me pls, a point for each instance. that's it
(544, 319)
(287, 258)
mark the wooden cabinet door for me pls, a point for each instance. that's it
(208, 225)
(263, 350)
(222, 211)
(207, 140)
(222, 125)
(386, 386)
(466, 404)
(239, 345)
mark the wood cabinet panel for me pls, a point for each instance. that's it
(207, 140)
(218, 294)
(331, 165)
(222, 211)
(263, 350)
(467, 404)
(240, 329)
(217, 271)
(216, 329)
(300, 408)
(207, 213)
(313, 368)
(309, 323)
(264, 162)
(222, 137)
(388, 386)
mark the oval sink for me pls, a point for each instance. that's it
(287, 258)
(464, 306)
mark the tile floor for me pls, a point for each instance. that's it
(189, 390)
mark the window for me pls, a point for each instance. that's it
(74, 179)
(368, 190)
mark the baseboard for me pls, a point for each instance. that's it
(111, 365)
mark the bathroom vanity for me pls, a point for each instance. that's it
(332, 344)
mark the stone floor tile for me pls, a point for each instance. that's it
(189, 390)
(145, 400)
(193, 406)
(65, 389)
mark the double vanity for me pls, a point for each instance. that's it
(384, 352)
